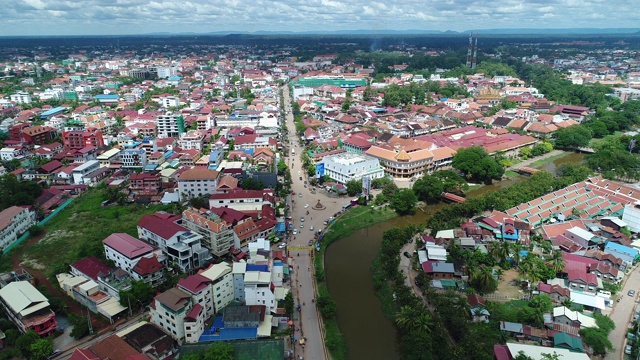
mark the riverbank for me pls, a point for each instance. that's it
(355, 219)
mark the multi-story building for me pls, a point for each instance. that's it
(108, 157)
(145, 184)
(241, 200)
(197, 182)
(217, 235)
(38, 134)
(133, 158)
(149, 270)
(350, 166)
(168, 125)
(181, 246)
(27, 308)
(79, 139)
(193, 139)
(81, 172)
(199, 287)
(21, 97)
(169, 311)
(402, 164)
(238, 270)
(14, 221)
(170, 101)
(222, 288)
(251, 142)
(125, 251)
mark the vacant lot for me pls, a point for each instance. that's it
(507, 290)
(78, 232)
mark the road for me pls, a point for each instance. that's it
(302, 283)
(622, 313)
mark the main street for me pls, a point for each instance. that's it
(302, 283)
(622, 314)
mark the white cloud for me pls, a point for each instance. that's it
(72, 17)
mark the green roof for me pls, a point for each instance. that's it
(562, 340)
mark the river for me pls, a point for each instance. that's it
(369, 334)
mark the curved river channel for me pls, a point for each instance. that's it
(369, 334)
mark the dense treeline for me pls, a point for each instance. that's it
(15, 192)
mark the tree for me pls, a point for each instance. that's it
(481, 278)
(326, 305)
(80, 326)
(451, 180)
(24, 342)
(404, 201)
(218, 351)
(354, 187)
(282, 167)
(572, 137)
(406, 318)
(556, 262)
(477, 165)
(288, 304)
(41, 349)
(597, 339)
(428, 189)
(140, 294)
(389, 189)
(500, 250)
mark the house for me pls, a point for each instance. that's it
(227, 183)
(199, 287)
(181, 247)
(111, 348)
(91, 268)
(438, 270)
(627, 254)
(125, 250)
(149, 270)
(537, 352)
(563, 340)
(565, 316)
(27, 308)
(15, 221)
(557, 293)
(241, 200)
(478, 308)
(145, 184)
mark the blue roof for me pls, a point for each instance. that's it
(168, 154)
(174, 77)
(280, 227)
(151, 167)
(214, 155)
(256, 267)
(619, 248)
(105, 97)
(54, 111)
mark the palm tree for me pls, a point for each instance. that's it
(424, 322)
(407, 318)
(567, 303)
(499, 273)
(556, 261)
(481, 278)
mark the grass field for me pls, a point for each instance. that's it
(608, 138)
(511, 173)
(79, 229)
(547, 160)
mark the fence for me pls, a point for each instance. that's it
(26, 235)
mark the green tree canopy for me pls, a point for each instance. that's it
(477, 165)
(218, 351)
(572, 137)
(354, 187)
(404, 201)
(428, 189)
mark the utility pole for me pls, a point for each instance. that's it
(89, 321)
(129, 302)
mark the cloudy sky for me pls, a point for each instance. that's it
(107, 17)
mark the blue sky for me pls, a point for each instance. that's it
(110, 17)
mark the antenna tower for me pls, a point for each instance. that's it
(469, 51)
(475, 54)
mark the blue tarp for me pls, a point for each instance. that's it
(217, 332)
(257, 267)
(280, 227)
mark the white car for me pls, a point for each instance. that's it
(282, 246)
(306, 206)
(311, 227)
(295, 231)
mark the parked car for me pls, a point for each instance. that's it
(406, 254)
(628, 349)
(299, 194)
(301, 226)
(310, 242)
(325, 222)
(306, 206)
(295, 231)
(311, 227)
(282, 246)
(631, 292)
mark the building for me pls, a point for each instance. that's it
(21, 97)
(14, 221)
(351, 166)
(27, 308)
(80, 172)
(149, 270)
(221, 285)
(197, 182)
(133, 158)
(181, 246)
(217, 234)
(80, 139)
(108, 157)
(399, 163)
(193, 139)
(169, 125)
(199, 287)
(38, 134)
(125, 250)
(169, 311)
(145, 184)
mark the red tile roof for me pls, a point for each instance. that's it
(161, 227)
(127, 245)
(92, 267)
(147, 265)
(194, 283)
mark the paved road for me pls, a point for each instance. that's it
(622, 313)
(302, 283)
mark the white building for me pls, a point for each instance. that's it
(166, 72)
(197, 182)
(108, 157)
(21, 97)
(241, 200)
(14, 221)
(133, 158)
(221, 285)
(199, 287)
(193, 139)
(125, 250)
(10, 153)
(257, 289)
(631, 216)
(170, 101)
(81, 171)
(350, 166)
(167, 125)
(176, 314)
(217, 236)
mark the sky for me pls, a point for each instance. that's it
(115, 17)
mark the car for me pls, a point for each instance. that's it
(282, 246)
(305, 186)
(311, 227)
(310, 242)
(631, 292)
(305, 182)
(299, 194)
(628, 349)
(302, 218)
(406, 254)
(301, 226)
(325, 222)
(306, 206)
(300, 178)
